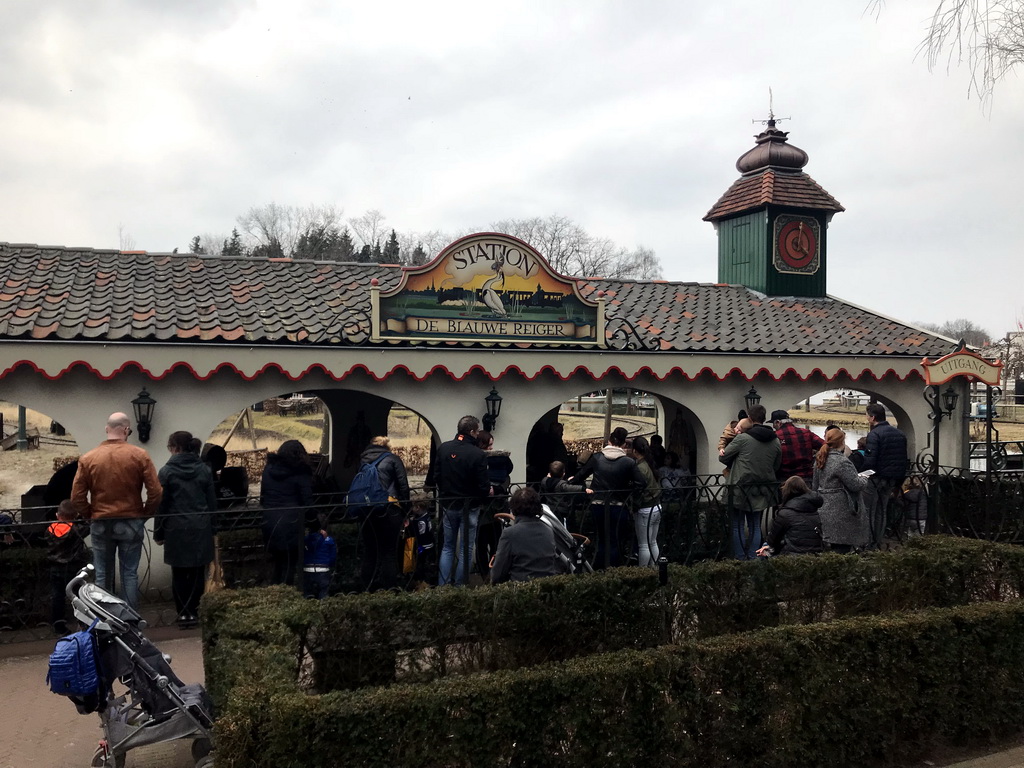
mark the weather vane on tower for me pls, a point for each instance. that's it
(772, 119)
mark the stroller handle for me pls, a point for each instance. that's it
(87, 575)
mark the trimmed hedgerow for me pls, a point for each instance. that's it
(856, 691)
(380, 639)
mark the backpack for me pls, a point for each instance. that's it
(73, 669)
(367, 493)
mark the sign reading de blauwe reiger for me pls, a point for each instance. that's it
(487, 287)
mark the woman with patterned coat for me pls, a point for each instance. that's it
(844, 525)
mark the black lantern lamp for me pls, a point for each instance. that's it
(752, 398)
(949, 398)
(943, 403)
(493, 404)
(143, 406)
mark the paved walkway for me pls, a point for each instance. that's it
(39, 728)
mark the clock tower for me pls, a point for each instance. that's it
(771, 222)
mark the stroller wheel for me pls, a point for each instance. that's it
(205, 762)
(103, 758)
(200, 749)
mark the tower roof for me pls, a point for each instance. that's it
(772, 175)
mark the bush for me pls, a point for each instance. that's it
(867, 690)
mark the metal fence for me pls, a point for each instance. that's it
(696, 525)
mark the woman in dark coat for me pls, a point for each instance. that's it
(184, 523)
(844, 525)
(526, 550)
(382, 528)
(286, 493)
(796, 527)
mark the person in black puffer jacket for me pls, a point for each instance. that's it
(184, 523)
(796, 529)
(382, 527)
(617, 479)
(286, 492)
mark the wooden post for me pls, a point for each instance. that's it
(607, 413)
(252, 429)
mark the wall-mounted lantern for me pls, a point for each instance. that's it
(143, 406)
(752, 398)
(493, 405)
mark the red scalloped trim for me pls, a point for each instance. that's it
(579, 369)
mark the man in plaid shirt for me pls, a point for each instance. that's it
(799, 447)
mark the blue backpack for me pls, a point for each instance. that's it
(73, 669)
(367, 493)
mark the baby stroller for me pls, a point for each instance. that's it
(157, 706)
(570, 547)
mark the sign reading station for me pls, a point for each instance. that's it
(960, 362)
(487, 287)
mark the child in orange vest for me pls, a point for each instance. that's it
(66, 554)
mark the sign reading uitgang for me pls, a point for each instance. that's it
(962, 363)
(487, 287)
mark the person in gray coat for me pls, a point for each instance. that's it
(844, 525)
(526, 550)
(184, 523)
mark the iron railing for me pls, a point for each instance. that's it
(695, 526)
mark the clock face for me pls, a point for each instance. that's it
(796, 245)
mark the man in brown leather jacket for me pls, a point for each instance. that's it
(108, 492)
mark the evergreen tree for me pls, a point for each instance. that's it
(419, 256)
(195, 246)
(346, 249)
(365, 255)
(233, 247)
(391, 254)
(271, 250)
(376, 256)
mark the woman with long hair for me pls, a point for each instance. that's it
(647, 510)
(184, 523)
(286, 493)
(796, 527)
(844, 525)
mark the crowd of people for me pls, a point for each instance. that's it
(841, 494)
(824, 496)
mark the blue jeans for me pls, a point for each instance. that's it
(123, 538)
(453, 520)
(647, 522)
(744, 545)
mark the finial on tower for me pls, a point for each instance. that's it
(772, 119)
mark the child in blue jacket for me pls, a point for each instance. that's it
(320, 555)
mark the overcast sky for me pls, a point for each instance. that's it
(170, 119)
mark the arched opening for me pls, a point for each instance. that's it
(335, 426)
(31, 457)
(38, 459)
(845, 407)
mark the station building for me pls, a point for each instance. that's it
(83, 330)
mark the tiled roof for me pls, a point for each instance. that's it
(775, 187)
(84, 294)
(58, 293)
(698, 317)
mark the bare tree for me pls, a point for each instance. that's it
(275, 228)
(125, 241)
(985, 35)
(961, 328)
(368, 228)
(571, 250)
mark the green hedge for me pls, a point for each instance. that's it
(845, 693)
(378, 639)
